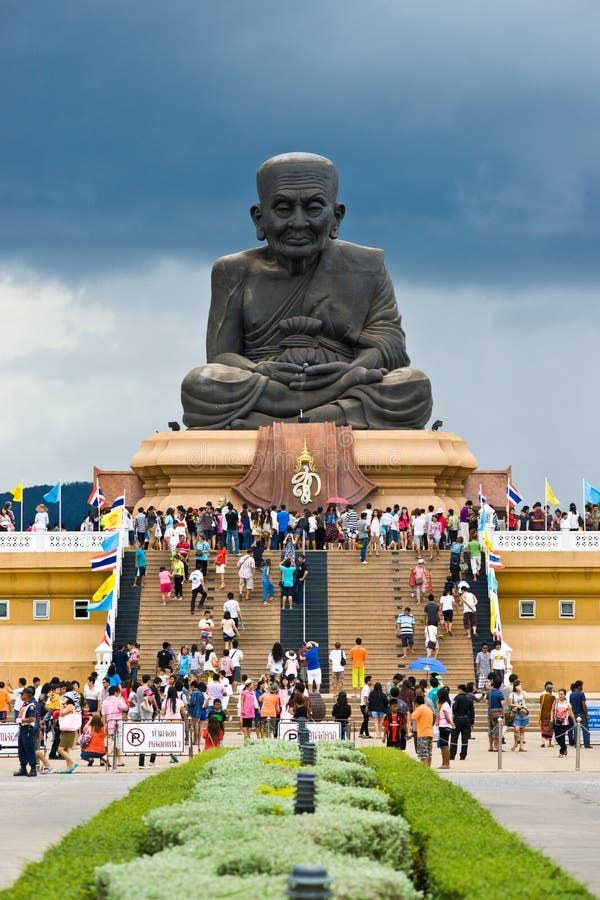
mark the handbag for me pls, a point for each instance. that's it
(85, 740)
(70, 722)
(342, 660)
(431, 645)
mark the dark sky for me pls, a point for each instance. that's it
(467, 137)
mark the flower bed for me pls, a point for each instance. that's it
(458, 848)
(237, 835)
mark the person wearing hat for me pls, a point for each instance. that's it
(469, 602)
(42, 519)
(27, 721)
(291, 663)
(419, 579)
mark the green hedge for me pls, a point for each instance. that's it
(67, 868)
(458, 848)
(249, 792)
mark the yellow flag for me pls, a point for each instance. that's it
(18, 493)
(113, 519)
(551, 497)
(105, 588)
(487, 541)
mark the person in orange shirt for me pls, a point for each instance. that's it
(422, 719)
(270, 707)
(4, 702)
(358, 655)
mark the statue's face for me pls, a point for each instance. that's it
(298, 212)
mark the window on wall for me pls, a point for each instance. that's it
(41, 609)
(4, 609)
(527, 609)
(80, 609)
(566, 609)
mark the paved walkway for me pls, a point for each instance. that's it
(558, 813)
(537, 794)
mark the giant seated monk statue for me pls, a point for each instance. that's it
(307, 323)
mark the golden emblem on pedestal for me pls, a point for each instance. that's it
(304, 476)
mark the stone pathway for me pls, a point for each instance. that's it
(556, 813)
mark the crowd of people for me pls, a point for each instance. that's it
(204, 690)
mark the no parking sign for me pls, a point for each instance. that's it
(153, 737)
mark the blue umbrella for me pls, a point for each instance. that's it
(428, 664)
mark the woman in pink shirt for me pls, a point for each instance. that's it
(248, 707)
(435, 536)
(445, 723)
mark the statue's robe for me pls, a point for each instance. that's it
(343, 305)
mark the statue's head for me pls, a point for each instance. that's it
(297, 212)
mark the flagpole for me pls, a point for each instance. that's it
(507, 505)
(583, 508)
(22, 498)
(98, 502)
(60, 505)
(545, 504)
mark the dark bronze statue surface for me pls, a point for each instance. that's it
(307, 323)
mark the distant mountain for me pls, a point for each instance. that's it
(74, 504)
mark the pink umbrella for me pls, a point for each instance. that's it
(339, 501)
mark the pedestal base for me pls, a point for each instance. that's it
(412, 468)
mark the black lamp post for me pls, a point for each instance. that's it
(305, 793)
(309, 882)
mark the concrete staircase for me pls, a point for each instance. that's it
(364, 600)
(174, 623)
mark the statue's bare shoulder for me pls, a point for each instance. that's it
(237, 266)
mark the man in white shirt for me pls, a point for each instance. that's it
(197, 581)
(368, 510)
(419, 530)
(232, 606)
(245, 567)
(469, 602)
(387, 522)
(498, 659)
(337, 669)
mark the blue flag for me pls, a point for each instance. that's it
(111, 542)
(53, 496)
(103, 606)
(592, 494)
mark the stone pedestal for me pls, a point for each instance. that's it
(413, 468)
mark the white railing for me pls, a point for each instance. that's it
(50, 541)
(546, 540)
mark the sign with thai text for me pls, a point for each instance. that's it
(319, 731)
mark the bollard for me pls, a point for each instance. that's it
(309, 882)
(578, 745)
(500, 723)
(305, 793)
(303, 732)
(308, 754)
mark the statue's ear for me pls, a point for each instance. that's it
(255, 215)
(339, 212)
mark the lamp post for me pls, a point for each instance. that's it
(309, 882)
(308, 753)
(305, 793)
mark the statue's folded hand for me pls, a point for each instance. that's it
(341, 374)
(282, 372)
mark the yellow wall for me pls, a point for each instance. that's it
(548, 647)
(60, 645)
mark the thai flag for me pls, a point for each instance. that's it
(97, 498)
(118, 502)
(105, 562)
(494, 561)
(512, 494)
(109, 630)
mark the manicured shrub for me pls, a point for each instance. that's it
(175, 870)
(459, 850)
(67, 869)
